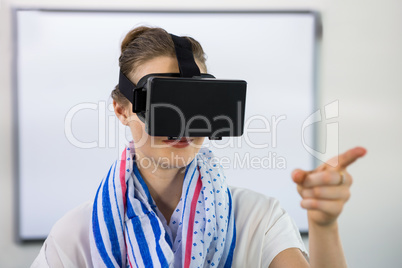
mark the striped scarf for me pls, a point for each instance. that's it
(128, 230)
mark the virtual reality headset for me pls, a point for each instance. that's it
(189, 103)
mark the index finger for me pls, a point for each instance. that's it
(347, 158)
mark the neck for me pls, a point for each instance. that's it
(165, 185)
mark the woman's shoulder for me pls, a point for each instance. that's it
(239, 192)
(257, 213)
(263, 228)
(75, 220)
(67, 244)
(248, 200)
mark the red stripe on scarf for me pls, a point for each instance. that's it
(123, 177)
(128, 257)
(190, 229)
(123, 190)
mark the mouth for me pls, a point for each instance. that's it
(183, 142)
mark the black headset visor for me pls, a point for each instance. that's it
(187, 104)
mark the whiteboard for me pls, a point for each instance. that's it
(66, 64)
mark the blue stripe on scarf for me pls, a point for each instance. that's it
(188, 167)
(150, 200)
(131, 245)
(157, 232)
(233, 244)
(97, 234)
(143, 184)
(108, 218)
(167, 238)
(139, 235)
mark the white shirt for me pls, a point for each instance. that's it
(263, 229)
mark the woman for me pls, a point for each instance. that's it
(179, 212)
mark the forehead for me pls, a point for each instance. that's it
(162, 64)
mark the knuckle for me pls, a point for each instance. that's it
(317, 191)
(335, 208)
(315, 204)
(347, 195)
(350, 180)
(308, 179)
(339, 208)
(327, 177)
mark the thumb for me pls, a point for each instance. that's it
(298, 176)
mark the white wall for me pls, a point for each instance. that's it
(360, 65)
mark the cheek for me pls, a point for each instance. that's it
(137, 128)
(143, 142)
(198, 143)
